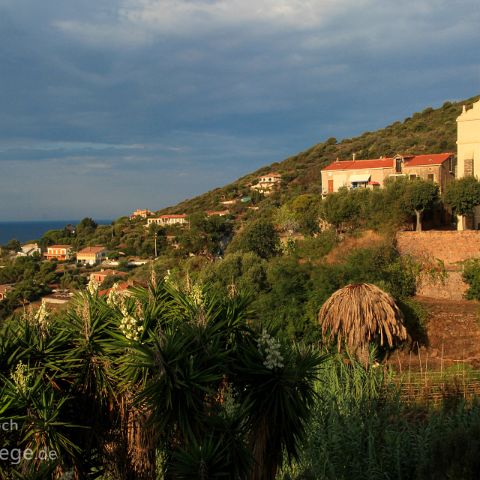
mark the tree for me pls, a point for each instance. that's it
(359, 314)
(463, 195)
(342, 209)
(261, 238)
(14, 245)
(420, 195)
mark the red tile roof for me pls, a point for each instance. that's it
(410, 161)
(183, 215)
(360, 164)
(59, 246)
(87, 250)
(432, 159)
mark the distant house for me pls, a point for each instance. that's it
(141, 214)
(58, 298)
(4, 291)
(29, 250)
(58, 252)
(100, 276)
(91, 255)
(267, 183)
(165, 220)
(217, 213)
(229, 202)
(438, 168)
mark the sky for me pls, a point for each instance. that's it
(111, 105)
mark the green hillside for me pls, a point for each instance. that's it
(429, 131)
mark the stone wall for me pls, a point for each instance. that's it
(451, 248)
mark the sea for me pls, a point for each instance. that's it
(25, 231)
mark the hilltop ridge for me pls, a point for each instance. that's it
(430, 131)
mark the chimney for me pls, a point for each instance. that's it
(337, 160)
(353, 156)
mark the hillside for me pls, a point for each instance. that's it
(429, 131)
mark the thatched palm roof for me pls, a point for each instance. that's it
(358, 314)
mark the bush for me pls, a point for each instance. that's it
(471, 275)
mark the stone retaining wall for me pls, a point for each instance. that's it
(451, 248)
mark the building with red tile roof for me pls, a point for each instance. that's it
(164, 220)
(100, 276)
(372, 173)
(58, 252)
(219, 213)
(141, 213)
(91, 255)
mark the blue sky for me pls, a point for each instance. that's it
(112, 105)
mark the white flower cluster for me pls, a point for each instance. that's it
(21, 377)
(196, 294)
(41, 316)
(130, 326)
(115, 297)
(167, 276)
(270, 348)
(92, 287)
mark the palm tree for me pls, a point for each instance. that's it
(359, 314)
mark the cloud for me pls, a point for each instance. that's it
(156, 100)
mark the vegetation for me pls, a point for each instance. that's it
(358, 315)
(169, 371)
(421, 195)
(463, 195)
(471, 276)
(363, 429)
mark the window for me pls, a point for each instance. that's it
(398, 165)
(431, 177)
(468, 167)
(413, 176)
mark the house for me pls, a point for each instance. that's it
(91, 255)
(58, 297)
(218, 213)
(29, 250)
(372, 173)
(4, 291)
(141, 213)
(468, 152)
(58, 252)
(165, 220)
(267, 183)
(226, 203)
(100, 276)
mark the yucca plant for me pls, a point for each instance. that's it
(359, 314)
(276, 384)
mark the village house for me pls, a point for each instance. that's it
(267, 183)
(165, 220)
(4, 290)
(100, 276)
(58, 252)
(226, 203)
(468, 153)
(438, 168)
(218, 213)
(58, 297)
(91, 255)
(141, 213)
(29, 250)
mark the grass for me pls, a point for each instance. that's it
(365, 428)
